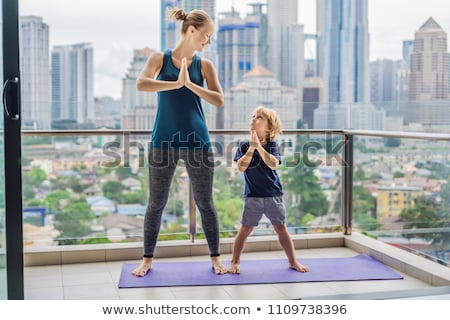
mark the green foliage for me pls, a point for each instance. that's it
(113, 190)
(95, 240)
(359, 174)
(398, 174)
(363, 208)
(33, 203)
(74, 219)
(230, 212)
(445, 195)
(28, 191)
(37, 176)
(425, 214)
(367, 222)
(300, 180)
(392, 142)
(307, 218)
(74, 183)
(28, 141)
(175, 207)
(54, 199)
(228, 197)
(34, 220)
(124, 173)
(140, 196)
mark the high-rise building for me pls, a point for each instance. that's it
(282, 17)
(343, 50)
(383, 78)
(169, 27)
(258, 11)
(429, 63)
(312, 97)
(139, 107)
(73, 83)
(238, 44)
(407, 50)
(35, 73)
(259, 87)
(286, 46)
(428, 80)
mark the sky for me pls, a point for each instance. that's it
(116, 28)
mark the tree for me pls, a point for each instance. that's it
(54, 199)
(74, 221)
(445, 195)
(228, 197)
(37, 176)
(300, 180)
(428, 214)
(392, 142)
(113, 190)
(175, 207)
(363, 208)
(359, 174)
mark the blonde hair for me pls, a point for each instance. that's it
(195, 18)
(273, 119)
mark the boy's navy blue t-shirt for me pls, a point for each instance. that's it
(260, 180)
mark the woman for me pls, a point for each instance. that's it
(180, 130)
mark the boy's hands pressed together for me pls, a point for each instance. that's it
(254, 140)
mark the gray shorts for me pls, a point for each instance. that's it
(272, 207)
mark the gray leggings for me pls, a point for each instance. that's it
(200, 168)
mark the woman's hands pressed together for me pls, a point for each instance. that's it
(183, 77)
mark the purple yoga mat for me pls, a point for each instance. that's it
(168, 274)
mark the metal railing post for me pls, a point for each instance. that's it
(347, 183)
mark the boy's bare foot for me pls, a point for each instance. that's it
(234, 268)
(218, 266)
(144, 268)
(299, 267)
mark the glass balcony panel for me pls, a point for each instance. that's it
(401, 193)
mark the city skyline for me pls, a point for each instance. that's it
(115, 34)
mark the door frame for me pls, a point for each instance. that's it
(12, 151)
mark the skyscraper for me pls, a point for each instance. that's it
(73, 83)
(343, 50)
(429, 63)
(286, 46)
(35, 73)
(238, 41)
(383, 85)
(139, 107)
(282, 17)
(428, 80)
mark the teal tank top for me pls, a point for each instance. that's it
(180, 121)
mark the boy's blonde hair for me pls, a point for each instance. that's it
(273, 119)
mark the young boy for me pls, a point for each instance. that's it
(258, 159)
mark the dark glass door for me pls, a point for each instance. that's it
(11, 234)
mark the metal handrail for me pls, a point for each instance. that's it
(347, 155)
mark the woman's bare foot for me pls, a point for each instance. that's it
(218, 266)
(234, 268)
(299, 267)
(144, 268)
